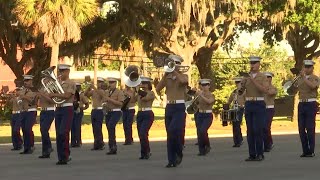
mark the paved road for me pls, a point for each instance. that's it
(224, 162)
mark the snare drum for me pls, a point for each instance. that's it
(229, 115)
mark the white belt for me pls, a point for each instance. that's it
(254, 98)
(98, 108)
(270, 106)
(130, 108)
(175, 101)
(205, 111)
(32, 109)
(48, 109)
(308, 100)
(145, 109)
(64, 104)
(115, 110)
(16, 112)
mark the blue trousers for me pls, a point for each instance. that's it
(204, 123)
(255, 118)
(267, 137)
(96, 122)
(63, 121)
(112, 118)
(27, 122)
(127, 118)
(144, 123)
(236, 128)
(175, 119)
(76, 128)
(306, 122)
(15, 130)
(46, 118)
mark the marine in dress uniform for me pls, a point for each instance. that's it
(46, 118)
(16, 120)
(29, 114)
(64, 114)
(114, 101)
(255, 109)
(204, 116)
(269, 99)
(175, 83)
(239, 100)
(308, 85)
(97, 115)
(145, 116)
(128, 114)
(79, 107)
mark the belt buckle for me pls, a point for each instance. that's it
(172, 102)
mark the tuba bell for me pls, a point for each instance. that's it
(171, 64)
(132, 76)
(51, 84)
(290, 87)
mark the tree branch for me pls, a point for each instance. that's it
(314, 47)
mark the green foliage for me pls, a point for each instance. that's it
(307, 14)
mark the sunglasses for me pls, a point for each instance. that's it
(269, 77)
(307, 66)
(205, 84)
(237, 82)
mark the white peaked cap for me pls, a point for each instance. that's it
(308, 62)
(64, 66)
(255, 59)
(27, 77)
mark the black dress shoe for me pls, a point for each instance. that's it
(251, 158)
(259, 158)
(29, 151)
(111, 153)
(310, 155)
(16, 149)
(44, 156)
(171, 165)
(62, 162)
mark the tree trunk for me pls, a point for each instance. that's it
(202, 60)
(54, 56)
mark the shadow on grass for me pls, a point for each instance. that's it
(7, 139)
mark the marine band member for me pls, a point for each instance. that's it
(145, 116)
(114, 101)
(239, 100)
(307, 108)
(97, 115)
(128, 114)
(16, 120)
(255, 109)
(64, 114)
(29, 114)
(46, 118)
(204, 116)
(81, 103)
(269, 99)
(175, 116)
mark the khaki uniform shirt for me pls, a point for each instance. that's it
(133, 97)
(69, 86)
(204, 105)
(83, 100)
(241, 99)
(15, 105)
(174, 89)
(146, 102)
(305, 92)
(116, 95)
(45, 103)
(252, 90)
(98, 96)
(269, 99)
(26, 104)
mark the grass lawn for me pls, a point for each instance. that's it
(157, 129)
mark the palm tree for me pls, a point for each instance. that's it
(57, 20)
